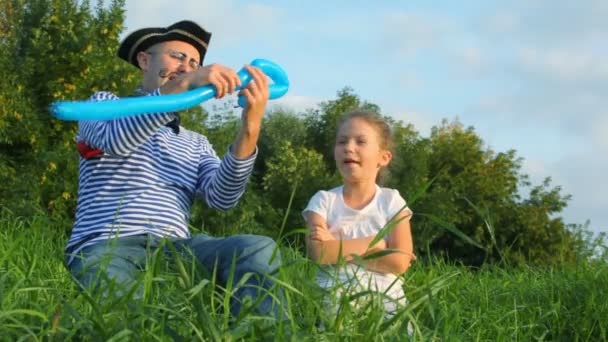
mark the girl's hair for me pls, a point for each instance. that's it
(385, 135)
(376, 121)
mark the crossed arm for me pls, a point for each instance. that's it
(325, 248)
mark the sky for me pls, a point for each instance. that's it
(528, 75)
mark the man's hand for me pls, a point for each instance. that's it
(256, 93)
(224, 79)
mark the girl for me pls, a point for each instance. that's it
(345, 220)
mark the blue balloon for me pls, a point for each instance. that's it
(107, 110)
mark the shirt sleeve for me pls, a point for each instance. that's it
(396, 205)
(317, 204)
(223, 182)
(121, 136)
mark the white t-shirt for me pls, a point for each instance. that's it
(360, 223)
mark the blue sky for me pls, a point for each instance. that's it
(529, 75)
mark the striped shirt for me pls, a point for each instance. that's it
(147, 177)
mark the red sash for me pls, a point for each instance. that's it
(86, 151)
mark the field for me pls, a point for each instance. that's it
(39, 301)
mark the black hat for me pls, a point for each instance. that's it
(185, 31)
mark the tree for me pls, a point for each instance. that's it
(279, 128)
(322, 124)
(408, 170)
(476, 192)
(294, 168)
(51, 50)
(537, 235)
(466, 197)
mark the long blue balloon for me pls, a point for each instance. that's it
(107, 110)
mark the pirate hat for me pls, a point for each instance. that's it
(140, 40)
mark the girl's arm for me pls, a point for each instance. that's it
(400, 240)
(324, 248)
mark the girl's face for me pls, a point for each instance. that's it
(358, 153)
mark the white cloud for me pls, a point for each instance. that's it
(296, 103)
(504, 22)
(158, 13)
(422, 122)
(531, 73)
(547, 22)
(291, 103)
(564, 63)
(406, 33)
(557, 81)
(577, 175)
(228, 21)
(536, 169)
(473, 61)
(405, 80)
(599, 135)
(583, 177)
(258, 21)
(473, 56)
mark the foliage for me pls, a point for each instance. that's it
(50, 51)
(472, 204)
(294, 169)
(41, 302)
(538, 277)
(322, 124)
(479, 192)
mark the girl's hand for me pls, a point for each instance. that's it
(321, 234)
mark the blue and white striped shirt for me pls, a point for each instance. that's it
(146, 179)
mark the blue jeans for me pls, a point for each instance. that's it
(119, 262)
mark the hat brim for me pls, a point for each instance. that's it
(186, 31)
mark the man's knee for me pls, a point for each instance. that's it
(98, 266)
(88, 265)
(261, 247)
(250, 253)
(260, 252)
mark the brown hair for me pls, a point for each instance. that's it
(376, 121)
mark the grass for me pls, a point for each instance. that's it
(39, 301)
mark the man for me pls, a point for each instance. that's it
(139, 175)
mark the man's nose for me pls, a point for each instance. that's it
(183, 67)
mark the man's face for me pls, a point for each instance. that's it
(165, 61)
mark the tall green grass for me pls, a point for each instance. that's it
(39, 301)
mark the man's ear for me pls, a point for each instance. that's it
(143, 59)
